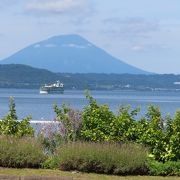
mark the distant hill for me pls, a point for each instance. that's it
(70, 54)
(23, 76)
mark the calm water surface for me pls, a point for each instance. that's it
(30, 102)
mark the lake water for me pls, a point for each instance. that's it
(30, 102)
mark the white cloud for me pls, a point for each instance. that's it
(57, 6)
(149, 47)
(137, 48)
(135, 27)
(4, 3)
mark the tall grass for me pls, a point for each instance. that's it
(20, 152)
(109, 158)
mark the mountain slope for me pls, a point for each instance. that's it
(26, 75)
(72, 54)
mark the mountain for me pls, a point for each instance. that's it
(17, 75)
(70, 54)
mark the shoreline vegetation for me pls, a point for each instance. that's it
(94, 140)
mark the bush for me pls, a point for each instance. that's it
(97, 121)
(20, 152)
(109, 158)
(173, 136)
(11, 126)
(51, 163)
(170, 168)
(50, 142)
(65, 128)
(70, 122)
(124, 126)
(161, 135)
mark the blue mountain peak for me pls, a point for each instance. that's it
(70, 53)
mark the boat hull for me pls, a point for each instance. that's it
(51, 90)
(43, 92)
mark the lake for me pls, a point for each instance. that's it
(30, 102)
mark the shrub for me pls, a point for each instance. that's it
(20, 152)
(124, 126)
(97, 121)
(65, 128)
(169, 168)
(162, 136)
(152, 132)
(11, 126)
(70, 122)
(173, 136)
(101, 124)
(106, 158)
(50, 143)
(51, 163)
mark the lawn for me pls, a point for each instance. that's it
(42, 172)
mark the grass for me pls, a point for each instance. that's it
(91, 176)
(107, 158)
(20, 152)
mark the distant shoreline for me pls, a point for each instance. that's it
(27, 77)
(115, 90)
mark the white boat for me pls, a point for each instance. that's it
(56, 88)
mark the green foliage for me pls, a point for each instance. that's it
(51, 163)
(109, 158)
(51, 143)
(12, 109)
(162, 136)
(97, 121)
(20, 152)
(63, 118)
(173, 136)
(108, 149)
(70, 122)
(152, 132)
(101, 124)
(123, 127)
(65, 128)
(11, 126)
(170, 168)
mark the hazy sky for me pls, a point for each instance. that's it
(144, 33)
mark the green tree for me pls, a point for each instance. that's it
(12, 109)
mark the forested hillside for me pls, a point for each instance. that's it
(22, 76)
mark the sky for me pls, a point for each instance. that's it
(143, 33)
